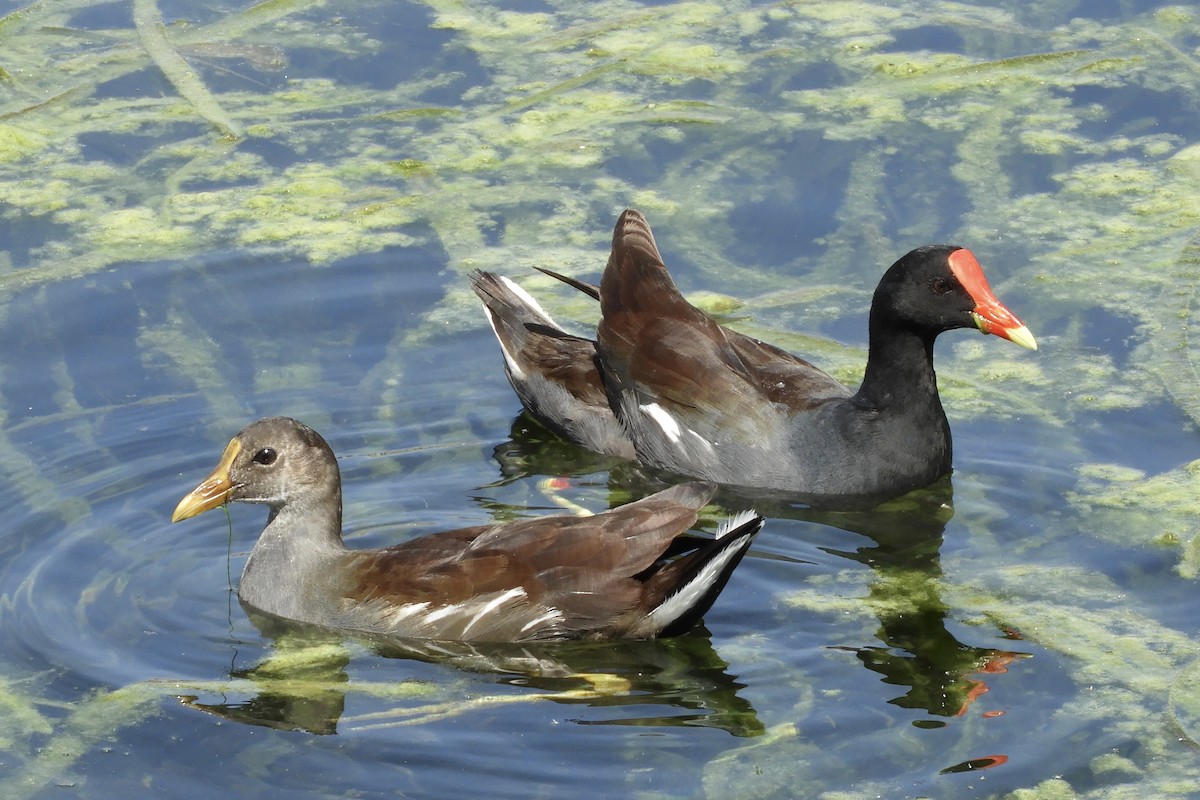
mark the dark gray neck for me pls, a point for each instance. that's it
(899, 389)
(899, 374)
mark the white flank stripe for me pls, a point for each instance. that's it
(664, 420)
(707, 444)
(552, 614)
(405, 611)
(444, 611)
(492, 605)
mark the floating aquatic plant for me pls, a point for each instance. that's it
(518, 139)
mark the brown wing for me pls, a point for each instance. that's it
(653, 342)
(431, 569)
(785, 378)
(649, 334)
(426, 589)
(569, 361)
(553, 576)
(621, 542)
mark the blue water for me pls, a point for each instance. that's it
(114, 596)
(916, 650)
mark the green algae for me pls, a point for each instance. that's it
(21, 715)
(153, 36)
(1126, 506)
(570, 122)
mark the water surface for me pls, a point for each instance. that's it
(1021, 630)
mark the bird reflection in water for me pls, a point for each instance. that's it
(941, 675)
(304, 684)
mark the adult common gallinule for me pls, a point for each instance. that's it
(695, 398)
(624, 573)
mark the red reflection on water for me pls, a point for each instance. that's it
(977, 690)
(996, 664)
(986, 762)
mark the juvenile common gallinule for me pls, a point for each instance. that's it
(624, 573)
(695, 398)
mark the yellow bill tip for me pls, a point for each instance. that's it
(1022, 336)
(213, 491)
(1004, 325)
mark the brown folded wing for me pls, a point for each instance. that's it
(547, 578)
(653, 342)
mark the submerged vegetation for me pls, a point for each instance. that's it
(1064, 146)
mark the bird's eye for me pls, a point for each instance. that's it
(266, 457)
(941, 285)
